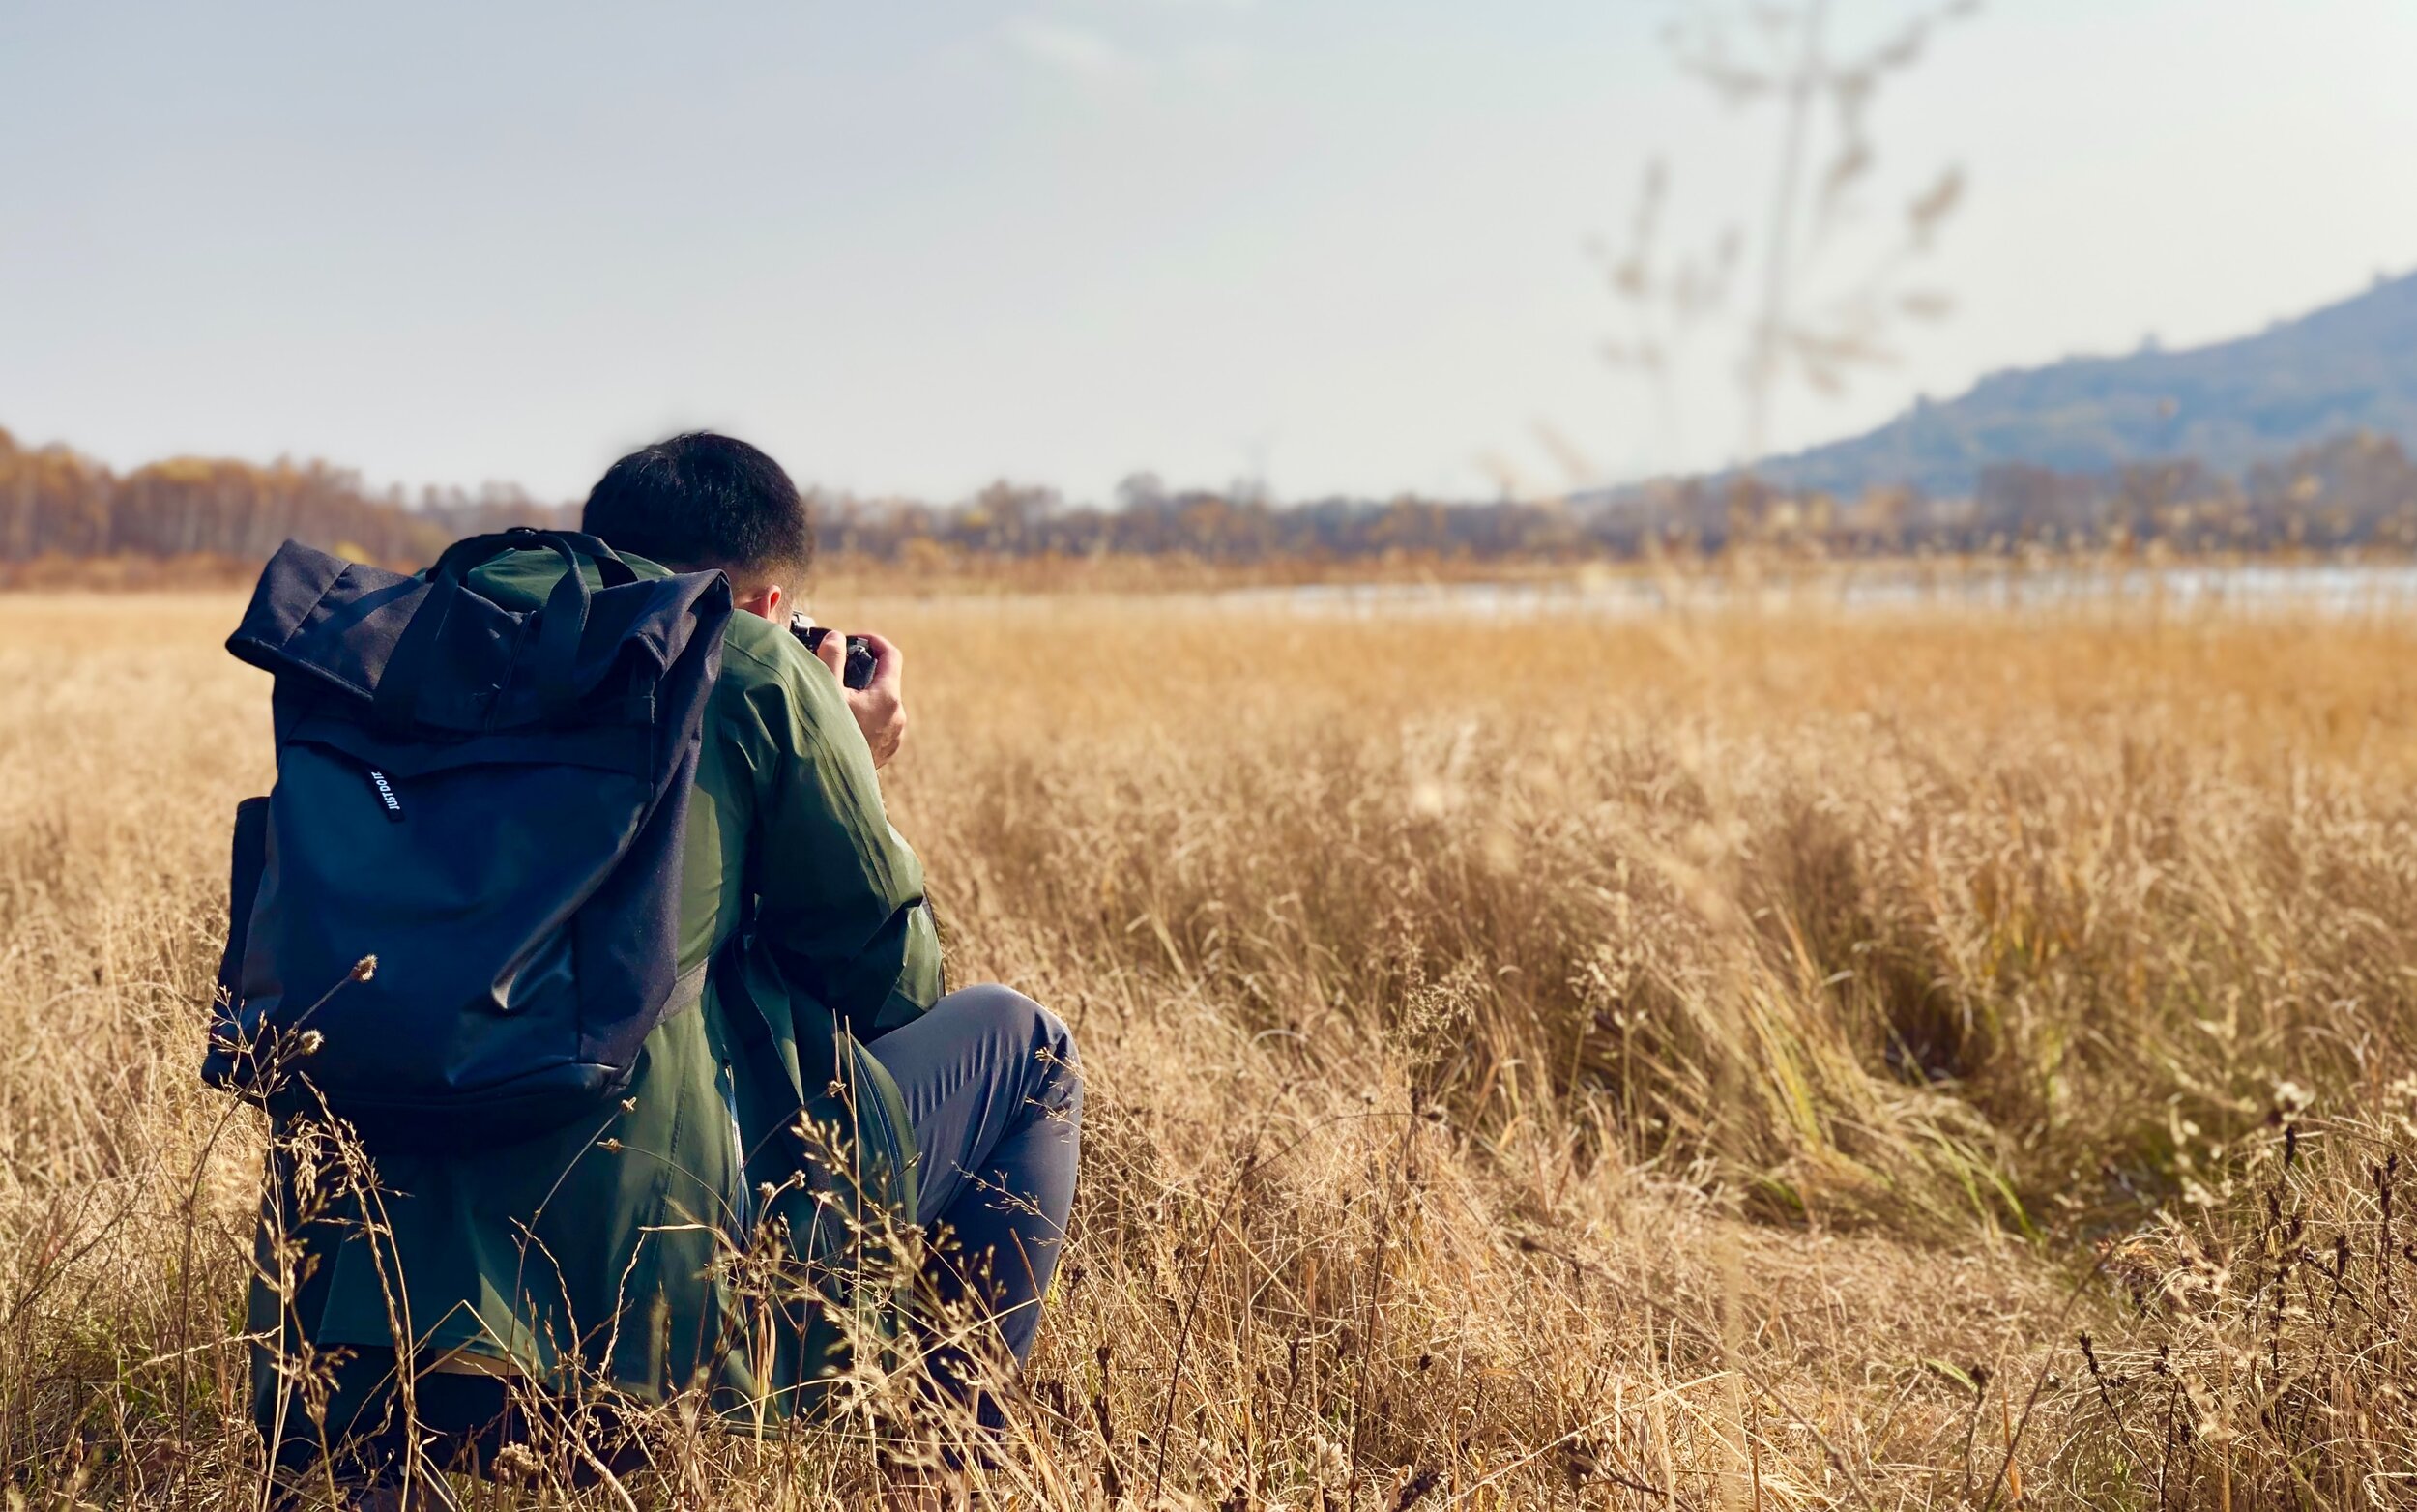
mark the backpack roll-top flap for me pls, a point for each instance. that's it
(344, 627)
(286, 627)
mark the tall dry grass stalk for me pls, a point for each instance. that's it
(1460, 1007)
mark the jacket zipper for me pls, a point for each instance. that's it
(742, 1201)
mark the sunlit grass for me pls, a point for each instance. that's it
(1529, 1060)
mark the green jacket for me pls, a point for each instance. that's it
(611, 1257)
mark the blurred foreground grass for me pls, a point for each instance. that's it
(1724, 1060)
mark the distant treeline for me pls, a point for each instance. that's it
(2355, 491)
(55, 503)
(1238, 528)
(2358, 491)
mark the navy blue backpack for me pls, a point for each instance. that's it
(455, 918)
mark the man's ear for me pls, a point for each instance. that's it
(771, 602)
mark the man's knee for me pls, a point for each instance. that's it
(1019, 1021)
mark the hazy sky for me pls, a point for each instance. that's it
(916, 247)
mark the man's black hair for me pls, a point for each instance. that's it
(702, 500)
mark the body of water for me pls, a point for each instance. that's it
(2326, 588)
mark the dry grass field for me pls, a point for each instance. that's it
(1718, 1062)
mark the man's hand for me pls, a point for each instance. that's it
(880, 708)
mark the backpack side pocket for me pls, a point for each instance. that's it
(242, 888)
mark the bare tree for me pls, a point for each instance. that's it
(1807, 322)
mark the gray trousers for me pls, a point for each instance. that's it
(995, 1091)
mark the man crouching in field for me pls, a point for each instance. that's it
(604, 1261)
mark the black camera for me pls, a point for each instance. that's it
(860, 658)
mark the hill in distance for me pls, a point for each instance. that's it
(2350, 366)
